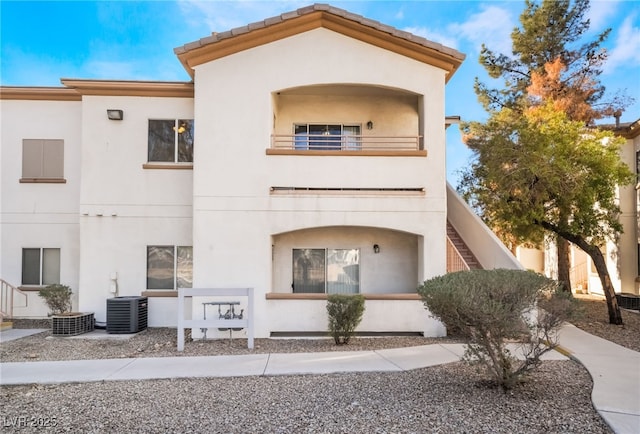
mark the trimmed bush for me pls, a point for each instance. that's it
(57, 297)
(490, 308)
(345, 313)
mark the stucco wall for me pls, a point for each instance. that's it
(111, 207)
(627, 247)
(392, 115)
(39, 215)
(621, 256)
(379, 316)
(139, 207)
(235, 213)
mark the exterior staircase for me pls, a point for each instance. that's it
(461, 252)
(7, 299)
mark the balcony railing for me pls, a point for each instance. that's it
(322, 142)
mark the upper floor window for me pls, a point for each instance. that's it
(171, 140)
(327, 137)
(40, 266)
(42, 160)
(169, 267)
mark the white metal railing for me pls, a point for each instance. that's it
(455, 261)
(7, 293)
(579, 276)
(321, 142)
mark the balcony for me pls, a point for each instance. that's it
(346, 144)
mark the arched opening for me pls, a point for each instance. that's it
(345, 259)
(349, 117)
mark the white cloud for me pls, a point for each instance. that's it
(220, 16)
(491, 26)
(626, 51)
(434, 36)
(600, 12)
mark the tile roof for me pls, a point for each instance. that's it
(319, 7)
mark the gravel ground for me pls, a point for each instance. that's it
(452, 398)
(446, 399)
(162, 342)
(595, 320)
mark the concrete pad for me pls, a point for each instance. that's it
(328, 362)
(457, 349)
(98, 334)
(622, 423)
(615, 370)
(616, 382)
(419, 357)
(69, 371)
(580, 342)
(193, 367)
(517, 351)
(13, 334)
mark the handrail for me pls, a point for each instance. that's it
(455, 261)
(7, 292)
(321, 142)
(579, 276)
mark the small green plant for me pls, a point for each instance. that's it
(57, 297)
(491, 308)
(345, 313)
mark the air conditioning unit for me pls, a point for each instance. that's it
(127, 314)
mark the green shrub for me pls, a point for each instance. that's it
(345, 313)
(490, 308)
(57, 297)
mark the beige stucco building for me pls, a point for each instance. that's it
(295, 175)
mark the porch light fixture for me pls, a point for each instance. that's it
(115, 115)
(370, 125)
(376, 248)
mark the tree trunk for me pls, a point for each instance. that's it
(615, 317)
(564, 276)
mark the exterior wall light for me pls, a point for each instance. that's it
(370, 125)
(376, 248)
(115, 115)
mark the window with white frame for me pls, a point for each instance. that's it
(170, 140)
(42, 159)
(331, 271)
(40, 266)
(327, 137)
(169, 267)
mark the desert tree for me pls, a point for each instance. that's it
(537, 171)
(549, 61)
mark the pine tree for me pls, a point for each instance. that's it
(548, 68)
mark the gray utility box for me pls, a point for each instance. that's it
(127, 314)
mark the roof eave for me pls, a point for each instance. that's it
(176, 89)
(39, 93)
(274, 29)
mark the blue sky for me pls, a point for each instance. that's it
(41, 42)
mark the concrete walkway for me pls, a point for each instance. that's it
(13, 334)
(615, 370)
